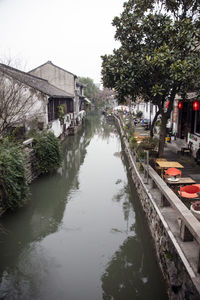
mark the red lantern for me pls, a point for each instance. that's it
(195, 105)
(180, 104)
(167, 104)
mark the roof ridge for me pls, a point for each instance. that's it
(50, 62)
(32, 81)
(23, 72)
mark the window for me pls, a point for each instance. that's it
(50, 110)
(53, 107)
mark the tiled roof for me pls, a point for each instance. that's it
(35, 82)
(50, 63)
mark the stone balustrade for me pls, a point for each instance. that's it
(175, 230)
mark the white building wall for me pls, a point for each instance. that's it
(147, 109)
(28, 104)
(56, 128)
(38, 106)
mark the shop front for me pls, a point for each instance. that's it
(188, 124)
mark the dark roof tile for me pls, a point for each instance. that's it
(35, 82)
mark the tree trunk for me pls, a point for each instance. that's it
(153, 123)
(164, 118)
(162, 135)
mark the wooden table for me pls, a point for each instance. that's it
(182, 181)
(168, 164)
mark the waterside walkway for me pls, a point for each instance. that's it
(181, 227)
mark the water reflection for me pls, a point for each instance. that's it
(81, 229)
(41, 217)
(129, 274)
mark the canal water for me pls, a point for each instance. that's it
(82, 236)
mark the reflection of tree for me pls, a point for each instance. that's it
(123, 195)
(99, 125)
(128, 274)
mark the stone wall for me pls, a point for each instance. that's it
(180, 285)
(31, 162)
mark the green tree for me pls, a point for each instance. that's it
(90, 89)
(158, 56)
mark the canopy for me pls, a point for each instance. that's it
(191, 189)
(173, 172)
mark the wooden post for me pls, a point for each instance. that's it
(164, 201)
(198, 263)
(185, 234)
(147, 169)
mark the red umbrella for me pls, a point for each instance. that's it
(173, 172)
(191, 189)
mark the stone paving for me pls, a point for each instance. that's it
(191, 168)
(172, 153)
(188, 251)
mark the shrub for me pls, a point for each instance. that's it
(48, 152)
(141, 169)
(133, 142)
(61, 112)
(125, 127)
(148, 143)
(13, 183)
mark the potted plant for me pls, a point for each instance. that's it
(61, 112)
(195, 209)
(142, 155)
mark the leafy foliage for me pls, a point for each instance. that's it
(148, 143)
(159, 55)
(90, 89)
(12, 175)
(48, 152)
(61, 112)
(139, 114)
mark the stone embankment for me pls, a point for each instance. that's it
(175, 231)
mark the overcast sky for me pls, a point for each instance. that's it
(73, 34)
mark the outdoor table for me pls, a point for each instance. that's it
(180, 182)
(168, 164)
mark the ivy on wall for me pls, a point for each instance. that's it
(14, 190)
(13, 186)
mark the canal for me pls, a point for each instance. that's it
(83, 235)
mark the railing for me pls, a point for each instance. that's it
(190, 226)
(28, 142)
